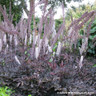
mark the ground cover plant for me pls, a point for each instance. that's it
(5, 91)
(39, 60)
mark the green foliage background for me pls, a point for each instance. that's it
(76, 13)
(16, 8)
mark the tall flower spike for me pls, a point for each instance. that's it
(1, 44)
(59, 49)
(5, 39)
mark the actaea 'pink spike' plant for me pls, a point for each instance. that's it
(44, 41)
(22, 31)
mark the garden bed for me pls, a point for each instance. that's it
(43, 78)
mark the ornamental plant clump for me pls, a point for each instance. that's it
(36, 65)
(43, 40)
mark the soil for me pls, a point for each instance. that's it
(70, 79)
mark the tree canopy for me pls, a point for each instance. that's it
(55, 3)
(15, 7)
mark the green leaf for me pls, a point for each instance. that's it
(94, 65)
(93, 30)
(90, 51)
(51, 60)
(25, 52)
(29, 95)
(5, 91)
(28, 54)
(92, 37)
(54, 48)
